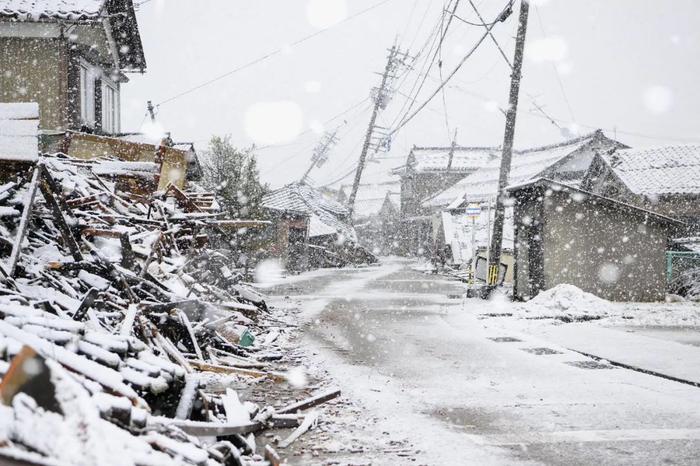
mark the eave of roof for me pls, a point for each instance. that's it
(547, 183)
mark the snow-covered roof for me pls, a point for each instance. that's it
(325, 215)
(556, 185)
(19, 130)
(658, 171)
(371, 197)
(483, 183)
(34, 10)
(122, 21)
(437, 159)
(692, 243)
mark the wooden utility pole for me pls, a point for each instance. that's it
(151, 111)
(378, 103)
(499, 216)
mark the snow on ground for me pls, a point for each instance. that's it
(564, 302)
(677, 314)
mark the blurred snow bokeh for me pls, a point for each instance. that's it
(658, 99)
(322, 14)
(274, 122)
(547, 49)
(269, 272)
(153, 131)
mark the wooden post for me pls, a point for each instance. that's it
(499, 217)
(24, 222)
(48, 188)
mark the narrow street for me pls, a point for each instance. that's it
(467, 390)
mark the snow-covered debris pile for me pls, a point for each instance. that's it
(120, 324)
(564, 302)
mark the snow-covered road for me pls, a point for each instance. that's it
(471, 391)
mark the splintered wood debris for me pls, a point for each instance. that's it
(123, 339)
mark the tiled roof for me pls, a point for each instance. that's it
(33, 10)
(659, 170)
(325, 214)
(437, 159)
(483, 183)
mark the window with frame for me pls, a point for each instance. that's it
(110, 107)
(87, 96)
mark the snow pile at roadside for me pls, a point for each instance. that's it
(564, 302)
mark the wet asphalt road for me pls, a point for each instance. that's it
(466, 390)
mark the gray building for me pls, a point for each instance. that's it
(567, 235)
(71, 58)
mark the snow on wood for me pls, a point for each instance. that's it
(92, 370)
(19, 130)
(309, 421)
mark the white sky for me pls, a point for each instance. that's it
(625, 65)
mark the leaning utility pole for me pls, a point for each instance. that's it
(380, 102)
(499, 216)
(320, 153)
(151, 111)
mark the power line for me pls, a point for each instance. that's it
(556, 71)
(443, 34)
(272, 53)
(464, 59)
(309, 146)
(431, 40)
(628, 133)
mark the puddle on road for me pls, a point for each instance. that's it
(468, 419)
(590, 365)
(505, 339)
(541, 351)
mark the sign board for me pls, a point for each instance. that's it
(473, 210)
(482, 268)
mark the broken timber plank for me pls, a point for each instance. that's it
(85, 304)
(47, 185)
(186, 322)
(232, 370)
(272, 457)
(309, 421)
(187, 397)
(23, 224)
(208, 429)
(315, 400)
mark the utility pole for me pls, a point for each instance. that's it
(320, 153)
(499, 216)
(452, 151)
(381, 99)
(151, 111)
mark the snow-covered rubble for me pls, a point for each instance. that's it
(564, 302)
(120, 300)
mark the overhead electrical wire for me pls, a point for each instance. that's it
(443, 34)
(454, 71)
(272, 53)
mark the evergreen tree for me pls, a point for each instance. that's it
(233, 174)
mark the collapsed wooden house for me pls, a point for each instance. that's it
(118, 301)
(312, 230)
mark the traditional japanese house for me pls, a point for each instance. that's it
(69, 56)
(564, 234)
(567, 161)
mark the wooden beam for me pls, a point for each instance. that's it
(315, 400)
(23, 224)
(85, 304)
(47, 185)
